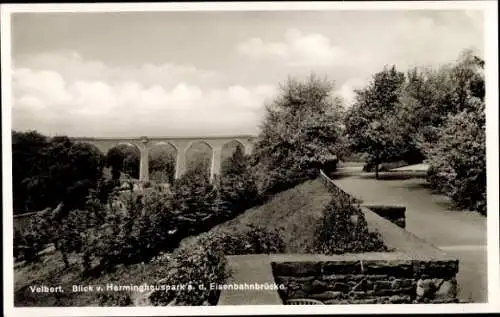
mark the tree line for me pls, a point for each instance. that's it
(437, 115)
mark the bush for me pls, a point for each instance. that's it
(39, 232)
(202, 262)
(196, 267)
(114, 299)
(237, 186)
(345, 230)
(136, 228)
(247, 240)
(458, 160)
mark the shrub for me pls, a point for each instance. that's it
(202, 262)
(34, 238)
(196, 267)
(248, 240)
(237, 185)
(114, 299)
(345, 230)
(136, 228)
(458, 160)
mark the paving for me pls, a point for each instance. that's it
(250, 270)
(458, 233)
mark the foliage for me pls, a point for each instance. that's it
(430, 96)
(202, 262)
(458, 160)
(194, 199)
(48, 171)
(114, 299)
(372, 125)
(194, 267)
(131, 160)
(449, 121)
(344, 230)
(162, 167)
(238, 187)
(300, 133)
(114, 159)
(135, 229)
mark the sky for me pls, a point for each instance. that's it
(207, 73)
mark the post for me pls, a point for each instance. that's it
(216, 162)
(144, 161)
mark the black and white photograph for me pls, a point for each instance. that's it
(192, 158)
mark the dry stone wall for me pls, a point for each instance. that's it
(350, 281)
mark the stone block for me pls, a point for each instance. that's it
(294, 294)
(319, 286)
(398, 291)
(400, 299)
(382, 285)
(399, 283)
(341, 287)
(297, 269)
(447, 290)
(401, 268)
(327, 295)
(435, 269)
(341, 267)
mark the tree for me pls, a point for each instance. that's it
(457, 154)
(49, 171)
(131, 161)
(371, 124)
(237, 184)
(162, 167)
(27, 158)
(301, 132)
(114, 159)
(194, 198)
(458, 159)
(430, 96)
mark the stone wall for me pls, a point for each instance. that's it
(368, 279)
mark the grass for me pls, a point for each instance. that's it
(297, 211)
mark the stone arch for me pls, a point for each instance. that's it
(199, 155)
(229, 147)
(132, 159)
(163, 161)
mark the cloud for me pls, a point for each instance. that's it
(85, 104)
(296, 49)
(346, 90)
(72, 67)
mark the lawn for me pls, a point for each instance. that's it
(297, 211)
